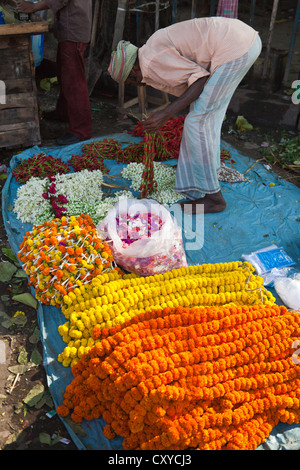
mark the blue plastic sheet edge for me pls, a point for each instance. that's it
(256, 216)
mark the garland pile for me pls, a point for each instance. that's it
(170, 134)
(104, 303)
(209, 378)
(60, 255)
(39, 166)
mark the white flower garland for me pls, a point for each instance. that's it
(30, 202)
(83, 190)
(164, 175)
(83, 187)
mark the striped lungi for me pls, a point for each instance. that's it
(199, 156)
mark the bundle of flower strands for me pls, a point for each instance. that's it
(207, 378)
(98, 305)
(60, 255)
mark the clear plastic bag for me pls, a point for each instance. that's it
(270, 263)
(269, 258)
(144, 237)
(288, 289)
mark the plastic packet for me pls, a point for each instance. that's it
(144, 237)
(288, 289)
(270, 262)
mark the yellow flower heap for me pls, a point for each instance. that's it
(110, 300)
(60, 255)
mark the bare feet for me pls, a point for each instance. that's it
(207, 204)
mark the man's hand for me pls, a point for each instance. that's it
(26, 7)
(159, 118)
(156, 120)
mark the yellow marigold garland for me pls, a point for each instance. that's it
(216, 377)
(60, 255)
(98, 305)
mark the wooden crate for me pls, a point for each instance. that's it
(19, 120)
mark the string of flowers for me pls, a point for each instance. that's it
(164, 177)
(191, 378)
(91, 310)
(154, 148)
(33, 206)
(60, 255)
(87, 162)
(148, 183)
(39, 166)
(105, 148)
(56, 200)
(170, 133)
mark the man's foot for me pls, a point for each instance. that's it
(207, 204)
(68, 139)
(53, 116)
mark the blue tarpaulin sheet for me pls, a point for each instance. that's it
(257, 215)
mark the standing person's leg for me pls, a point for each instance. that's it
(199, 157)
(61, 105)
(60, 111)
(74, 95)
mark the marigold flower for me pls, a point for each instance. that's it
(47, 254)
(161, 385)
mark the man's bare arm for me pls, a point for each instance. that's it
(159, 118)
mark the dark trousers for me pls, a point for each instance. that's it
(73, 102)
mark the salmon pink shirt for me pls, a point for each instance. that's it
(175, 57)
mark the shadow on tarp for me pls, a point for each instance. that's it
(257, 215)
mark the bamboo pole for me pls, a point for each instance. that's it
(271, 28)
(156, 14)
(93, 35)
(120, 22)
(292, 44)
(252, 9)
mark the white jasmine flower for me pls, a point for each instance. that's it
(164, 175)
(30, 202)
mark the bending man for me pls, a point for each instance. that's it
(201, 62)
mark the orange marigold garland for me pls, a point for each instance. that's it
(62, 255)
(98, 306)
(191, 378)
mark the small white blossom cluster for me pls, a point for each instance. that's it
(82, 187)
(164, 175)
(30, 202)
(83, 190)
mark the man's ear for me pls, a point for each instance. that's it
(136, 67)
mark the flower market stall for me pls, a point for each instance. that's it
(197, 354)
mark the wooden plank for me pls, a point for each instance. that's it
(24, 28)
(19, 100)
(19, 85)
(13, 54)
(9, 127)
(15, 62)
(21, 134)
(16, 115)
(19, 120)
(11, 41)
(23, 137)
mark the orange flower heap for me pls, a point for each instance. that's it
(179, 378)
(63, 254)
(100, 305)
